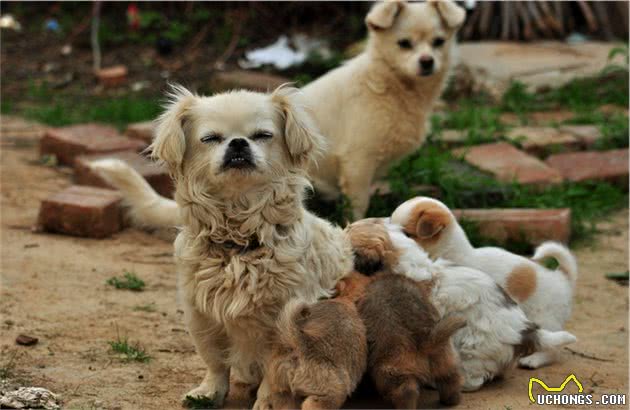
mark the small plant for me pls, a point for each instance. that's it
(149, 307)
(129, 352)
(199, 402)
(128, 281)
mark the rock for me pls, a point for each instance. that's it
(112, 76)
(509, 164)
(25, 340)
(452, 138)
(29, 398)
(533, 226)
(157, 176)
(549, 63)
(82, 211)
(586, 134)
(141, 130)
(540, 140)
(249, 80)
(537, 118)
(68, 142)
(611, 166)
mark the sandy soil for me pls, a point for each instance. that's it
(53, 287)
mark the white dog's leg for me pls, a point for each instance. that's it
(263, 396)
(537, 359)
(355, 181)
(210, 343)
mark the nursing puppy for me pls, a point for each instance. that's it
(544, 295)
(321, 351)
(246, 245)
(409, 342)
(497, 332)
(374, 110)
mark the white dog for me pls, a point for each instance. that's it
(497, 332)
(545, 295)
(247, 245)
(375, 108)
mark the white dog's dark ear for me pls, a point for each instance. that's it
(169, 144)
(451, 14)
(301, 135)
(383, 14)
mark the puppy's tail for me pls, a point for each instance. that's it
(145, 207)
(566, 260)
(289, 322)
(535, 339)
(445, 328)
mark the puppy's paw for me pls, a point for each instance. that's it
(210, 393)
(472, 384)
(536, 360)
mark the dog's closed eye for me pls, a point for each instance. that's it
(212, 137)
(438, 42)
(405, 43)
(262, 135)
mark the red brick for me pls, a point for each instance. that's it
(539, 140)
(537, 118)
(609, 166)
(82, 211)
(112, 76)
(68, 142)
(250, 80)
(612, 109)
(141, 130)
(155, 175)
(586, 134)
(530, 225)
(508, 164)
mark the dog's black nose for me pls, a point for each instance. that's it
(238, 143)
(426, 62)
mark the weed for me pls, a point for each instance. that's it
(7, 369)
(129, 352)
(149, 307)
(128, 281)
(199, 402)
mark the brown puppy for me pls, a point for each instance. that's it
(321, 351)
(409, 343)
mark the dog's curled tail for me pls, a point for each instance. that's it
(566, 261)
(146, 207)
(533, 339)
(445, 328)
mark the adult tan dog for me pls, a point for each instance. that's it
(247, 245)
(374, 109)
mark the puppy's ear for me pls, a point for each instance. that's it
(451, 14)
(383, 15)
(431, 222)
(169, 144)
(301, 135)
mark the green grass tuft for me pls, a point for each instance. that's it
(128, 281)
(129, 352)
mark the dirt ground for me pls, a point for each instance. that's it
(53, 288)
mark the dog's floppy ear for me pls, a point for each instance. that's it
(169, 144)
(451, 14)
(301, 135)
(383, 14)
(431, 222)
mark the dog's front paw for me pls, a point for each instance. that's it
(210, 393)
(262, 403)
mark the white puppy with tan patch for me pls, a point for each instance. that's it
(497, 332)
(374, 110)
(545, 295)
(247, 245)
